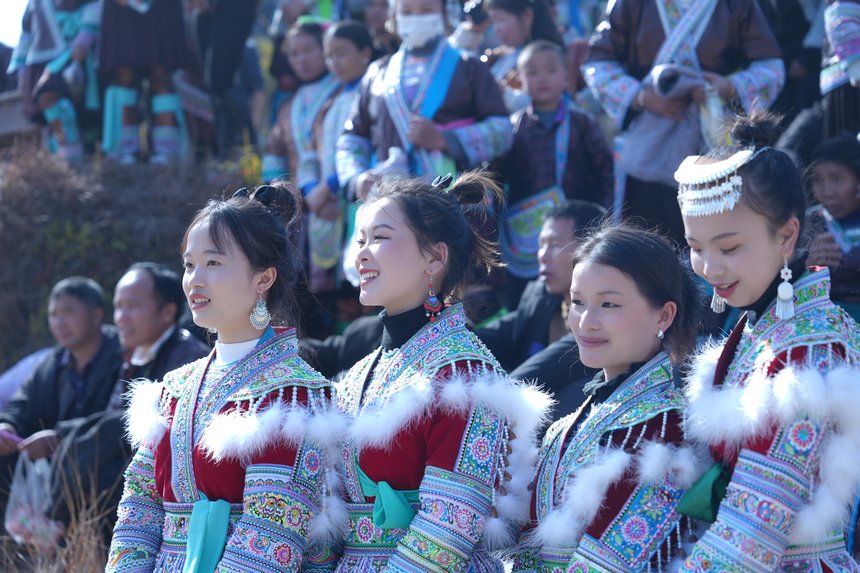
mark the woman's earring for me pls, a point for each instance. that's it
(785, 294)
(661, 334)
(212, 330)
(432, 304)
(260, 316)
(718, 303)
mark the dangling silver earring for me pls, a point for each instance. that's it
(718, 303)
(785, 294)
(260, 317)
(661, 334)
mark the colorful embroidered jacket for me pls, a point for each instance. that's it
(735, 42)
(436, 415)
(609, 479)
(778, 405)
(289, 149)
(471, 114)
(261, 439)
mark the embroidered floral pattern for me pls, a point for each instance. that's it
(479, 447)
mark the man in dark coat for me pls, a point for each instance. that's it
(75, 380)
(148, 302)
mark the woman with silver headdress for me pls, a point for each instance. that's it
(776, 402)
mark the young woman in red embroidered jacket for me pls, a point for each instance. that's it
(233, 450)
(777, 401)
(432, 472)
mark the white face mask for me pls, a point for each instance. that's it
(417, 30)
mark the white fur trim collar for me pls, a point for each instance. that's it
(145, 418)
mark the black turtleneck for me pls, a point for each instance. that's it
(755, 310)
(399, 328)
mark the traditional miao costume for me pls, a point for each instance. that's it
(290, 144)
(142, 35)
(326, 238)
(426, 475)
(777, 404)
(840, 63)
(234, 465)
(437, 82)
(50, 31)
(728, 37)
(609, 479)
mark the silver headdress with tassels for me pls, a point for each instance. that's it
(711, 188)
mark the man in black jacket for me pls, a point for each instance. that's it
(148, 303)
(535, 334)
(75, 380)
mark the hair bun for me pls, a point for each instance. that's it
(472, 188)
(279, 199)
(758, 129)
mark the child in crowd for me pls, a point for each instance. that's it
(348, 48)
(557, 152)
(835, 222)
(291, 136)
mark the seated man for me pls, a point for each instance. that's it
(148, 303)
(541, 316)
(75, 380)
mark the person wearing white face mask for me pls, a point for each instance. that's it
(427, 110)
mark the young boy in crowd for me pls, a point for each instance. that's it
(558, 153)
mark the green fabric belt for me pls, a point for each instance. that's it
(392, 509)
(207, 535)
(702, 500)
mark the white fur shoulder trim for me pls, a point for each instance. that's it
(145, 419)
(794, 392)
(583, 498)
(376, 426)
(238, 435)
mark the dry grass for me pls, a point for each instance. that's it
(57, 221)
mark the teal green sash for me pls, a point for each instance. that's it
(392, 508)
(702, 500)
(207, 535)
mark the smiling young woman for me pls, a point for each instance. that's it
(432, 412)
(776, 403)
(227, 442)
(620, 463)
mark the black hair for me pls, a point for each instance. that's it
(537, 47)
(166, 285)
(543, 24)
(84, 289)
(586, 216)
(772, 184)
(439, 215)
(652, 264)
(355, 32)
(313, 29)
(844, 149)
(258, 224)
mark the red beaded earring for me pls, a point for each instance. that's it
(432, 304)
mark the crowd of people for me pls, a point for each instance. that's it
(536, 195)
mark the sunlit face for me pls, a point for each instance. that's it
(836, 187)
(220, 286)
(305, 55)
(544, 78)
(72, 323)
(345, 60)
(419, 7)
(511, 29)
(614, 325)
(376, 14)
(139, 318)
(555, 247)
(737, 252)
(394, 272)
